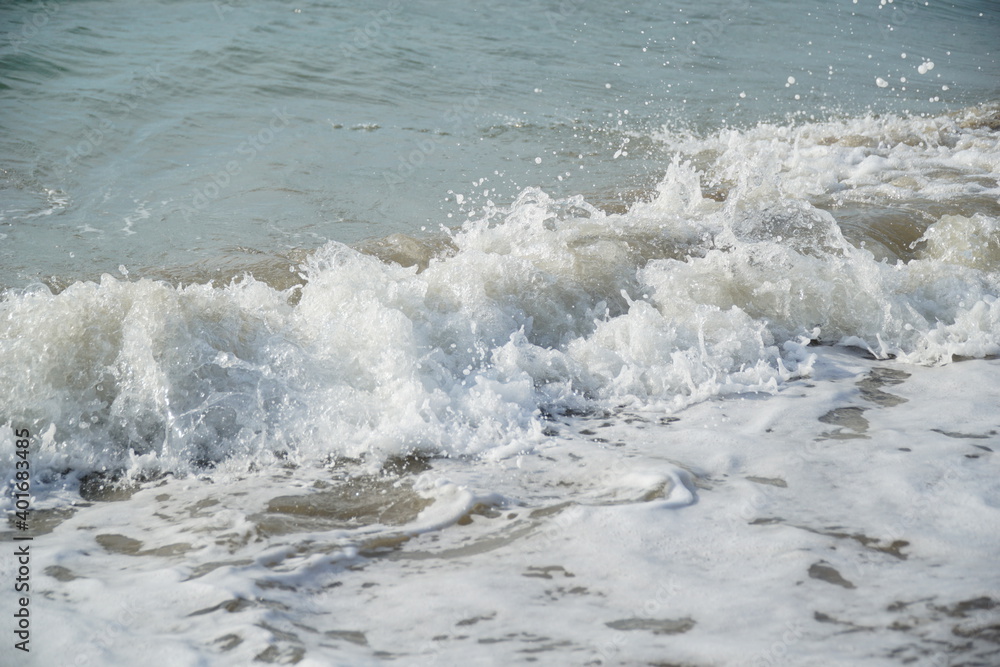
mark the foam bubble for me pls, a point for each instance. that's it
(712, 286)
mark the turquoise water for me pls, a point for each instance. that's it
(192, 140)
(444, 333)
(225, 224)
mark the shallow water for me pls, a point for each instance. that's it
(159, 135)
(460, 334)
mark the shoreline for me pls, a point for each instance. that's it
(751, 530)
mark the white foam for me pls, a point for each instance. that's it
(543, 304)
(784, 525)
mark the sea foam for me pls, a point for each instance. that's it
(714, 284)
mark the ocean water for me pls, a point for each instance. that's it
(442, 333)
